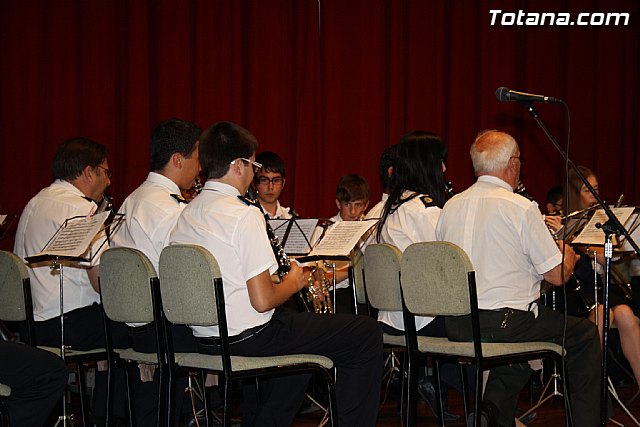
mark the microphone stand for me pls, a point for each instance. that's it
(612, 226)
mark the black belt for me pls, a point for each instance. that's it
(246, 334)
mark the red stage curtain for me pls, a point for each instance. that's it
(326, 83)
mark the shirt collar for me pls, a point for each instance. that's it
(494, 180)
(70, 187)
(163, 181)
(221, 187)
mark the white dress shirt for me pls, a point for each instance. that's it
(506, 239)
(236, 236)
(281, 212)
(414, 221)
(41, 218)
(150, 213)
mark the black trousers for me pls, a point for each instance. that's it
(583, 358)
(84, 330)
(354, 343)
(37, 379)
(143, 339)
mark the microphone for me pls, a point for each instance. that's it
(503, 94)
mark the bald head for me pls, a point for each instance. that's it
(496, 153)
(492, 151)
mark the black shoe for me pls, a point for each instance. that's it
(488, 415)
(427, 392)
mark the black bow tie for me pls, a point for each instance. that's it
(180, 199)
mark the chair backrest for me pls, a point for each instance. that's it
(187, 274)
(382, 276)
(125, 278)
(434, 279)
(13, 278)
(5, 390)
(358, 277)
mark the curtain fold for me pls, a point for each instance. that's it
(327, 84)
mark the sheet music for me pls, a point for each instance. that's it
(633, 228)
(297, 242)
(74, 239)
(591, 235)
(342, 238)
(2, 219)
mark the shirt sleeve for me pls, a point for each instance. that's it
(537, 241)
(254, 249)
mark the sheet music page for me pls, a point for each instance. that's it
(299, 235)
(342, 238)
(590, 235)
(3, 218)
(633, 228)
(74, 239)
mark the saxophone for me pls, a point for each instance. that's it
(318, 291)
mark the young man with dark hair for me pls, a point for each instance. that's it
(234, 233)
(352, 199)
(150, 213)
(81, 174)
(269, 183)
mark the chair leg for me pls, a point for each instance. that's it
(412, 391)
(110, 392)
(438, 385)
(205, 404)
(226, 410)
(130, 394)
(465, 389)
(81, 390)
(169, 396)
(478, 399)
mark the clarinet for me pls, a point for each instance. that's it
(197, 186)
(448, 189)
(284, 265)
(522, 191)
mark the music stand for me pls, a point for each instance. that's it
(70, 243)
(610, 227)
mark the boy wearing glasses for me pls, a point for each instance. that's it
(235, 234)
(269, 182)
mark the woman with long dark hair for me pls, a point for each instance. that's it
(410, 215)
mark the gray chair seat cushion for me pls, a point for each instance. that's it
(398, 340)
(243, 363)
(131, 354)
(72, 353)
(446, 347)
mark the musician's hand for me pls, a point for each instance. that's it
(570, 256)
(298, 276)
(554, 222)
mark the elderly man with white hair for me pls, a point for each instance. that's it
(512, 251)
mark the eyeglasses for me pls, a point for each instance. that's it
(106, 171)
(256, 165)
(276, 181)
(517, 157)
